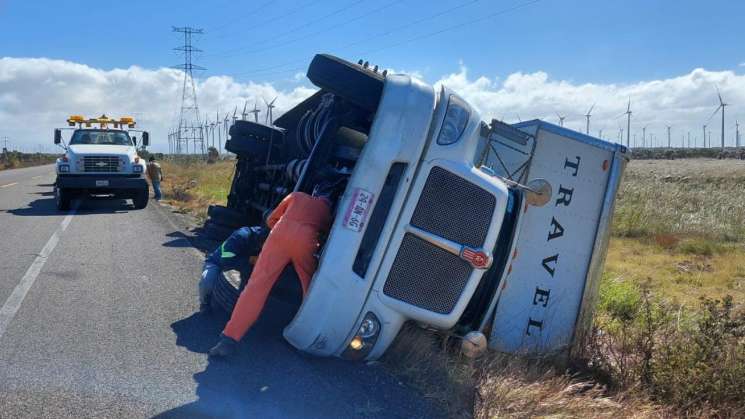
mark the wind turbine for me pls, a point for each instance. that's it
(668, 136)
(644, 136)
(255, 111)
(628, 123)
(561, 119)
(737, 134)
(234, 112)
(243, 114)
(705, 134)
(722, 105)
(588, 115)
(269, 106)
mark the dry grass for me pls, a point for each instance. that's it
(679, 227)
(500, 386)
(192, 186)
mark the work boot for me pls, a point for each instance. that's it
(225, 347)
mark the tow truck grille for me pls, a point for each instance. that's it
(424, 275)
(106, 164)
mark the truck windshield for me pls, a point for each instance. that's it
(101, 137)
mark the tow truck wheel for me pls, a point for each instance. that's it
(62, 199)
(140, 199)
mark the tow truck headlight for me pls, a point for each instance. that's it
(64, 168)
(137, 168)
(456, 119)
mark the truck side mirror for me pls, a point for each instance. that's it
(145, 139)
(57, 136)
(134, 139)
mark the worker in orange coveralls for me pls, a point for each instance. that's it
(295, 225)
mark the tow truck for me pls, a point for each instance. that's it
(100, 159)
(447, 221)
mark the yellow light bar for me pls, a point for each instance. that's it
(127, 120)
(75, 119)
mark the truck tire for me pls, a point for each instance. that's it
(351, 81)
(62, 198)
(216, 231)
(227, 216)
(140, 199)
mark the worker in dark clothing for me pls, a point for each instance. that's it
(233, 253)
(295, 225)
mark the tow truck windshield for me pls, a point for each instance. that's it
(100, 137)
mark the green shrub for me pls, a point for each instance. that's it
(691, 359)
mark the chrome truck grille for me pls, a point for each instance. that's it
(106, 164)
(424, 275)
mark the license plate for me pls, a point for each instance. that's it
(102, 183)
(355, 217)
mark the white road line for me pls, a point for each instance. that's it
(13, 303)
(37, 177)
(8, 185)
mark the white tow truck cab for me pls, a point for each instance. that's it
(446, 220)
(100, 159)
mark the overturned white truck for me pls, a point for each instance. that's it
(446, 220)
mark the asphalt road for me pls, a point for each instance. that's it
(97, 319)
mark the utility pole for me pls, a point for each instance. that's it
(704, 136)
(189, 126)
(689, 139)
(737, 134)
(644, 136)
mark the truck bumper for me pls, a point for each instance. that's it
(101, 182)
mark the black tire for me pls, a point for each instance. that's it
(350, 81)
(62, 198)
(224, 295)
(216, 231)
(227, 216)
(140, 199)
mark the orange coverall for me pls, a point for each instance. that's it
(295, 225)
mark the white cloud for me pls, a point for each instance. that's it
(37, 94)
(685, 102)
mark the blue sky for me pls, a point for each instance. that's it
(576, 40)
(511, 59)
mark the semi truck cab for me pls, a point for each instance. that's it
(100, 159)
(439, 210)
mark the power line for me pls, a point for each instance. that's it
(264, 70)
(281, 16)
(233, 52)
(366, 39)
(242, 16)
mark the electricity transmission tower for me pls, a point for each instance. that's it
(189, 127)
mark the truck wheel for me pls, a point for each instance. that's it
(140, 199)
(62, 198)
(351, 81)
(216, 231)
(227, 216)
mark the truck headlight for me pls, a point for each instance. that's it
(365, 338)
(137, 168)
(64, 168)
(456, 117)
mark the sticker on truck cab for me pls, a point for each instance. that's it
(356, 214)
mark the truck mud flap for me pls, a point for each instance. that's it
(548, 292)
